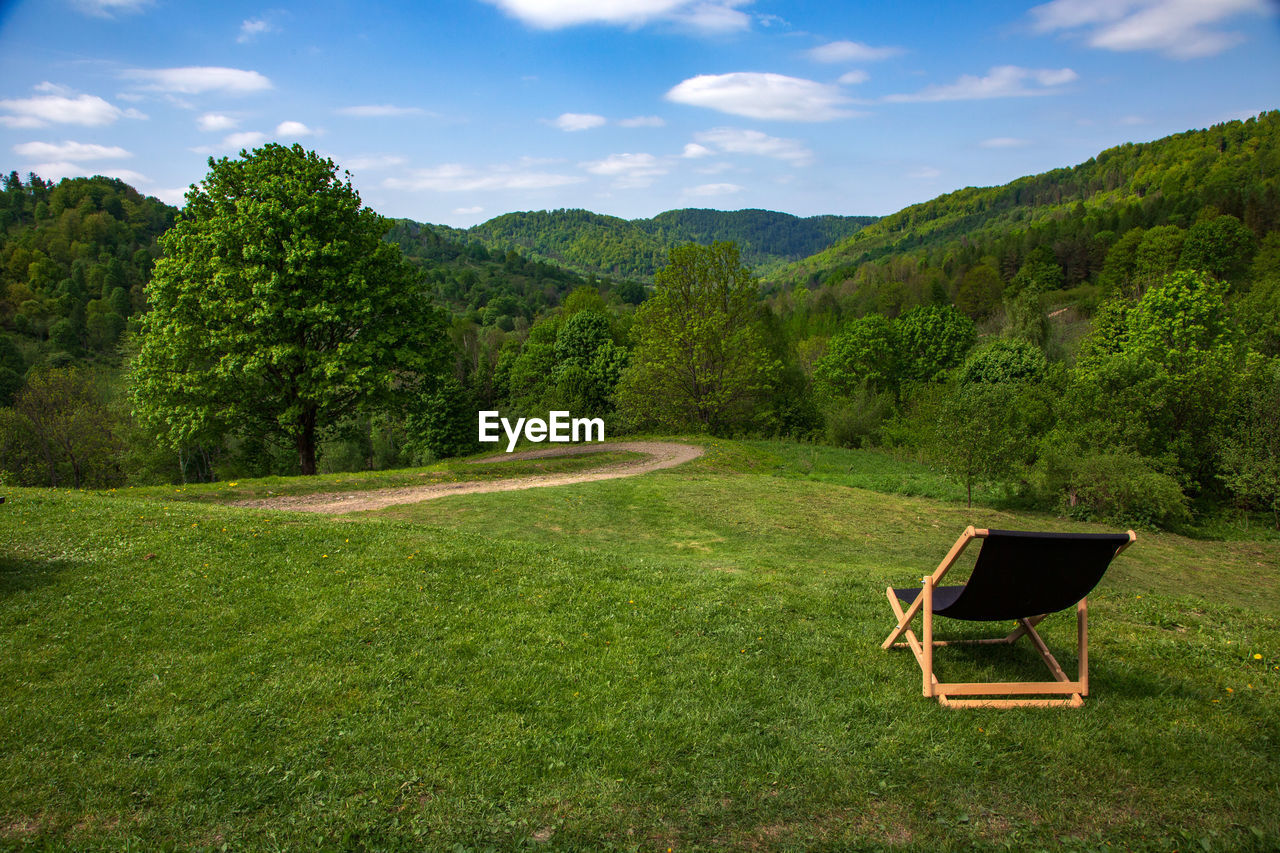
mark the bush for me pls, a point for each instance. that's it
(1002, 361)
(1117, 486)
(856, 420)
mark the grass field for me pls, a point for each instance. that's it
(688, 659)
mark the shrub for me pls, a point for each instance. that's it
(856, 420)
(1002, 361)
(1115, 486)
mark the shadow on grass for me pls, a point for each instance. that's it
(1020, 662)
(24, 574)
(1131, 685)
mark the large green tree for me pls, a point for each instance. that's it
(278, 309)
(699, 359)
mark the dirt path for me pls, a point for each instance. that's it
(662, 454)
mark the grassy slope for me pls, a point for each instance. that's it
(684, 659)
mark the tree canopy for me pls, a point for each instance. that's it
(278, 309)
(699, 359)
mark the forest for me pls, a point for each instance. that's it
(635, 249)
(1101, 341)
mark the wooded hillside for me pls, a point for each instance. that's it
(1077, 213)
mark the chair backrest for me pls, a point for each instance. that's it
(1020, 574)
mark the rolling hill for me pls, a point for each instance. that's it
(1231, 168)
(594, 244)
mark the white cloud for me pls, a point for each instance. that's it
(1135, 120)
(379, 111)
(851, 51)
(215, 122)
(64, 169)
(455, 177)
(71, 151)
(247, 139)
(571, 122)
(853, 78)
(194, 80)
(1005, 81)
(374, 161)
(924, 173)
(254, 27)
(1182, 29)
(693, 151)
(42, 110)
(732, 140)
(763, 96)
(293, 129)
(621, 164)
(108, 8)
(1003, 142)
(643, 121)
(628, 170)
(710, 15)
(467, 211)
(22, 122)
(705, 190)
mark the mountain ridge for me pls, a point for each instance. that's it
(598, 244)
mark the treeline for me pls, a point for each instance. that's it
(588, 243)
(764, 238)
(594, 244)
(1072, 218)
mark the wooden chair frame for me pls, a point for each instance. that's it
(1072, 691)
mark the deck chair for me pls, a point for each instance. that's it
(1020, 576)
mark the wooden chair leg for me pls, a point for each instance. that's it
(981, 695)
(904, 618)
(1082, 642)
(927, 630)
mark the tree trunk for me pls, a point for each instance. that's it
(307, 443)
(53, 467)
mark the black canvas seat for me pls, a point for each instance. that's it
(1018, 575)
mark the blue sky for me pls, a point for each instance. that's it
(460, 110)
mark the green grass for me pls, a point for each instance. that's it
(687, 659)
